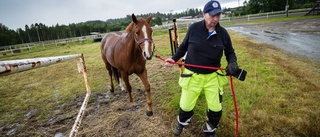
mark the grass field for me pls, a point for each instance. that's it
(280, 96)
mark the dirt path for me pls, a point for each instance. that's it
(111, 117)
(300, 37)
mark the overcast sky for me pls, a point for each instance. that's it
(18, 13)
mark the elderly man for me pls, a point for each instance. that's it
(205, 43)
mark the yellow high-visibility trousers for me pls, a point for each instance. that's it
(193, 84)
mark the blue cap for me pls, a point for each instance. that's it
(212, 7)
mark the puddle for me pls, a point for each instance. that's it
(59, 134)
(280, 35)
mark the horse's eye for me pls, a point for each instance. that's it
(137, 33)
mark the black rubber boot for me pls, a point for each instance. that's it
(178, 129)
(213, 134)
(183, 119)
(209, 130)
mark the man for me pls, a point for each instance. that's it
(205, 43)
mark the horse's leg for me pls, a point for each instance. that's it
(108, 66)
(121, 85)
(144, 78)
(125, 78)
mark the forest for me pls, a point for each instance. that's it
(41, 32)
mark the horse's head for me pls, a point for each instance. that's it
(143, 36)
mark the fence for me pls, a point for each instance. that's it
(13, 66)
(183, 23)
(28, 46)
(266, 15)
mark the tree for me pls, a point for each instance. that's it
(156, 21)
(257, 6)
(26, 27)
(20, 34)
(8, 37)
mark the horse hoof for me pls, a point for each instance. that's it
(134, 108)
(149, 113)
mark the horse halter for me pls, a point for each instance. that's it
(143, 40)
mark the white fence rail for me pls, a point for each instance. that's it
(266, 15)
(13, 66)
(182, 23)
(28, 46)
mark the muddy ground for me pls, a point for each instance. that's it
(300, 37)
(112, 118)
(109, 115)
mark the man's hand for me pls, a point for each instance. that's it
(168, 62)
(232, 68)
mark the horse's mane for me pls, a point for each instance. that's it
(129, 28)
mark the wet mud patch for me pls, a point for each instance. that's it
(299, 37)
(110, 110)
(110, 115)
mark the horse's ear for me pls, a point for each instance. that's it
(134, 19)
(149, 19)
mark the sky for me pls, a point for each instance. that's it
(18, 13)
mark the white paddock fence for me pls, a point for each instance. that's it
(28, 46)
(184, 23)
(13, 66)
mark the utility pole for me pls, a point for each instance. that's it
(239, 7)
(287, 8)
(29, 36)
(38, 33)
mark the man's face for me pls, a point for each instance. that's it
(211, 21)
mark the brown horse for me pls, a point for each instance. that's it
(125, 53)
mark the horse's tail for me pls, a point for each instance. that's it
(115, 73)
